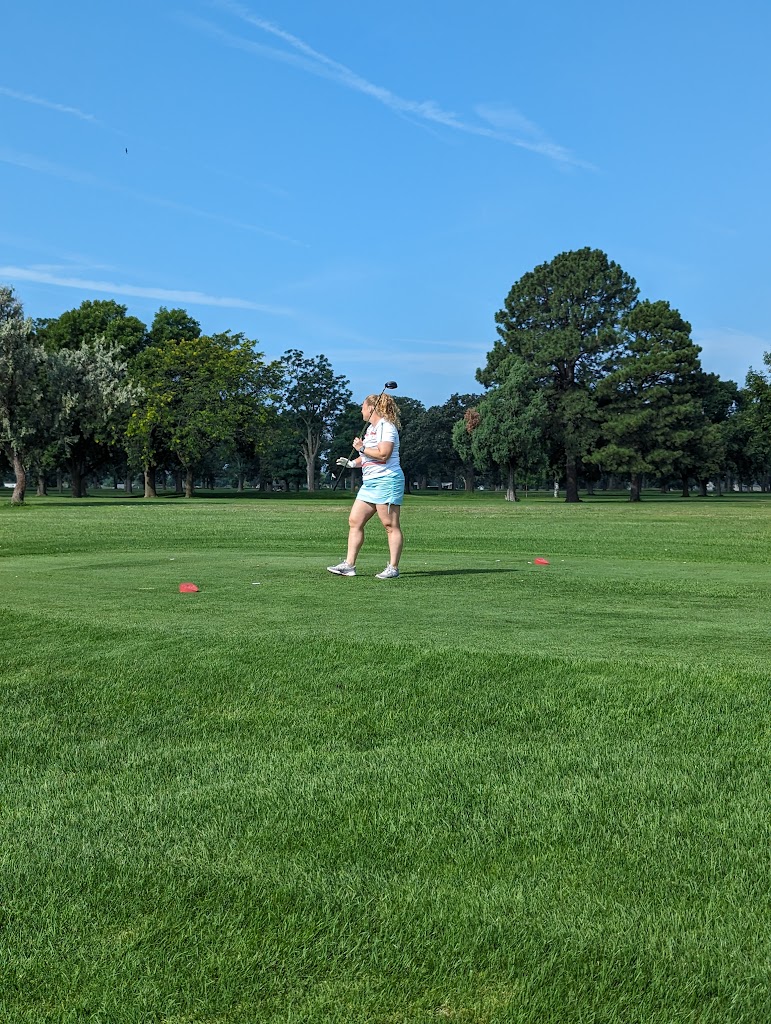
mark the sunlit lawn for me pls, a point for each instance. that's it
(489, 791)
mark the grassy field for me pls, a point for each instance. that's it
(488, 791)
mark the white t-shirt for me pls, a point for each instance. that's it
(383, 430)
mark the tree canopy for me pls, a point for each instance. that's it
(23, 410)
(583, 379)
(102, 319)
(510, 425)
(560, 320)
(315, 397)
(650, 410)
(197, 392)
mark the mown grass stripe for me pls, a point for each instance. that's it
(530, 796)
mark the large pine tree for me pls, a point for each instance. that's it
(651, 409)
(560, 320)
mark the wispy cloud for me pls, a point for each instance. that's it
(48, 104)
(39, 276)
(296, 51)
(64, 260)
(61, 108)
(30, 162)
(507, 119)
(76, 264)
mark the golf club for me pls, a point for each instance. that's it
(390, 385)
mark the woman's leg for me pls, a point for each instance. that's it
(360, 515)
(389, 517)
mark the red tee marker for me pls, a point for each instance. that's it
(188, 588)
(540, 561)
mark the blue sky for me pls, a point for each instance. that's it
(369, 180)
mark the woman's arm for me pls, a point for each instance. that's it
(380, 452)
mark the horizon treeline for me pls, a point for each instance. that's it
(586, 384)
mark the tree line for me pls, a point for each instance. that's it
(95, 392)
(584, 380)
(588, 380)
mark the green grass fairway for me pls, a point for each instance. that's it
(486, 792)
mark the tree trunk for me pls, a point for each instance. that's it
(310, 450)
(636, 487)
(42, 487)
(703, 492)
(511, 489)
(571, 479)
(20, 487)
(240, 487)
(150, 482)
(77, 479)
(60, 481)
(686, 493)
(469, 480)
(127, 483)
(189, 482)
(178, 485)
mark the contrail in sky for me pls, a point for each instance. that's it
(59, 107)
(37, 276)
(33, 163)
(318, 63)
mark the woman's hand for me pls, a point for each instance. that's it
(380, 452)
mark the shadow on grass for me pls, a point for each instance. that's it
(109, 498)
(456, 572)
(490, 498)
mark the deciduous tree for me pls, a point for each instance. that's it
(23, 409)
(512, 423)
(414, 441)
(315, 397)
(101, 318)
(172, 325)
(145, 442)
(195, 391)
(92, 397)
(278, 450)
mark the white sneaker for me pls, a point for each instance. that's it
(342, 569)
(389, 573)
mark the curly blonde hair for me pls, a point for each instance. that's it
(386, 408)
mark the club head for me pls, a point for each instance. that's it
(390, 385)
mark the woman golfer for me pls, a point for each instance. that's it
(383, 488)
